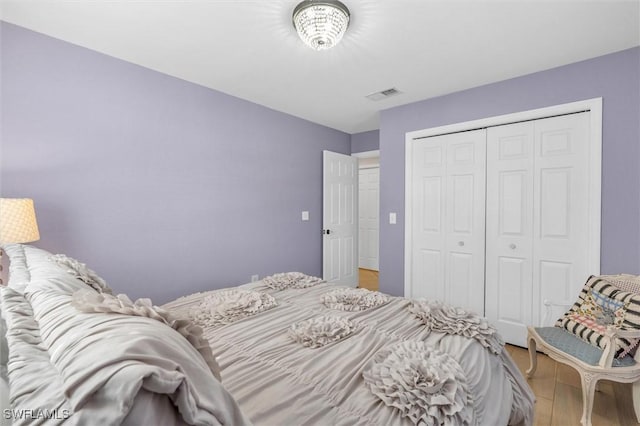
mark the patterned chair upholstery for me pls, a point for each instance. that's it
(591, 362)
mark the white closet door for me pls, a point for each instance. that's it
(509, 270)
(449, 219)
(537, 221)
(561, 219)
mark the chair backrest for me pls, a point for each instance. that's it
(625, 282)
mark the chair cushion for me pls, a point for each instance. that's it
(600, 305)
(577, 348)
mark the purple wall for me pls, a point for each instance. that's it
(614, 77)
(162, 186)
(365, 141)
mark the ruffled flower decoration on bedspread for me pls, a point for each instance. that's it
(320, 331)
(229, 306)
(443, 318)
(427, 386)
(81, 272)
(286, 280)
(353, 299)
(90, 301)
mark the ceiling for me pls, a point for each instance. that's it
(423, 48)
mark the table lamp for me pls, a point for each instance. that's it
(17, 222)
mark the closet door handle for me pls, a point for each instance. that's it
(512, 246)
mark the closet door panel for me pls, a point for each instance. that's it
(428, 244)
(509, 242)
(465, 219)
(429, 267)
(448, 219)
(464, 260)
(561, 219)
(556, 289)
(461, 284)
(512, 271)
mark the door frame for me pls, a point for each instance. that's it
(593, 105)
(362, 155)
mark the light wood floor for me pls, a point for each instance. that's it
(368, 279)
(559, 395)
(557, 387)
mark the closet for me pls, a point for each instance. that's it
(499, 219)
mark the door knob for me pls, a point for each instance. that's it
(461, 243)
(326, 231)
(512, 246)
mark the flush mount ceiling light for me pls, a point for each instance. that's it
(321, 24)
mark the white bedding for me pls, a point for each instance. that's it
(98, 368)
(114, 368)
(278, 381)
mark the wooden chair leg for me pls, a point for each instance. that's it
(636, 399)
(533, 357)
(588, 393)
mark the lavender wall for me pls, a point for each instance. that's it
(614, 77)
(162, 186)
(365, 141)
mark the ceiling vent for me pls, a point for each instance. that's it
(377, 96)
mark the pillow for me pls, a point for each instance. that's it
(601, 305)
(624, 282)
(81, 272)
(90, 301)
(35, 383)
(4, 349)
(19, 275)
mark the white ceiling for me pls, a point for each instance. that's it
(424, 48)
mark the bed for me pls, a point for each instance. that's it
(289, 349)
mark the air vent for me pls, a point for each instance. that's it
(383, 94)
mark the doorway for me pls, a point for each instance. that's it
(368, 218)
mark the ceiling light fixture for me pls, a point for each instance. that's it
(321, 24)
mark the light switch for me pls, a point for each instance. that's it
(305, 215)
(392, 218)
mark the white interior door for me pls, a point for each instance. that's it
(369, 224)
(561, 216)
(448, 214)
(537, 221)
(509, 256)
(340, 219)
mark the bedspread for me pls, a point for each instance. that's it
(277, 380)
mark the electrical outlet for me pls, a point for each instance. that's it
(254, 278)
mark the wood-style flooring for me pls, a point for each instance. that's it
(368, 279)
(559, 395)
(557, 387)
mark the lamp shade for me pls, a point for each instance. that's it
(18, 221)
